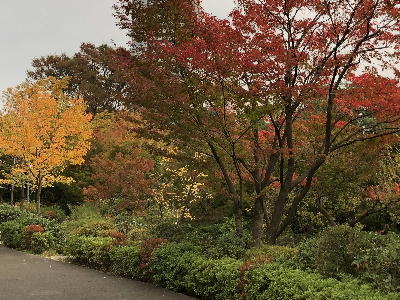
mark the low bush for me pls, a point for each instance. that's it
(169, 230)
(48, 225)
(85, 211)
(119, 238)
(219, 240)
(371, 257)
(126, 221)
(272, 253)
(99, 227)
(146, 250)
(53, 213)
(125, 261)
(379, 264)
(13, 234)
(9, 212)
(17, 233)
(29, 231)
(89, 250)
(181, 267)
(333, 251)
(275, 282)
(42, 241)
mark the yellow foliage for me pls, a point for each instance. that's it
(180, 188)
(45, 130)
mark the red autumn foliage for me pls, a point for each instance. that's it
(119, 168)
(30, 230)
(34, 228)
(146, 250)
(119, 238)
(50, 214)
(270, 92)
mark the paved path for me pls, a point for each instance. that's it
(24, 277)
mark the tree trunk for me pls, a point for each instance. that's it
(27, 193)
(237, 201)
(22, 195)
(38, 192)
(12, 194)
(325, 213)
(258, 221)
(277, 214)
(238, 215)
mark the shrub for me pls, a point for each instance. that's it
(34, 228)
(214, 278)
(126, 221)
(85, 211)
(219, 240)
(169, 230)
(9, 212)
(146, 250)
(29, 231)
(275, 282)
(48, 225)
(125, 261)
(138, 235)
(119, 238)
(29, 207)
(16, 233)
(53, 213)
(13, 234)
(181, 267)
(100, 227)
(89, 250)
(333, 251)
(373, 258)
(272, 253)
(41, 241)
(379, 264)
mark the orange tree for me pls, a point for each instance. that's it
(45, 130)
(120, 166)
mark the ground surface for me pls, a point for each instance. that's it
(24, 277)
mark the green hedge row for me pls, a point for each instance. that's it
(182, 268)
(27, 231)
(370, 257)
(274, 282)
(267, 273)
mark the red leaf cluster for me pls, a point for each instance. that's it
(34, 228)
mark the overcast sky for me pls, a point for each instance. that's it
(30, 29)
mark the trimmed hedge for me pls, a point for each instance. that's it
(180, 267)
(14, 233)
(371, 257)
(125, 261)
(42, 241)
(9, 212)
(183, 269)
(91, 251)
(274, 282)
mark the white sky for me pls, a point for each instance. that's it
(30, 29)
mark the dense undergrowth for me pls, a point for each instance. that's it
(210, 261)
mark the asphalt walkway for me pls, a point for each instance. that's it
(24, 277)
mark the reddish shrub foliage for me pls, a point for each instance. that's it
(50, 214)
(147, 248)
(34, 228)
(119, 238)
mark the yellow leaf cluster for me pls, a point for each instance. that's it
(45, 130)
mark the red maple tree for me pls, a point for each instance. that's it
(271, 92)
